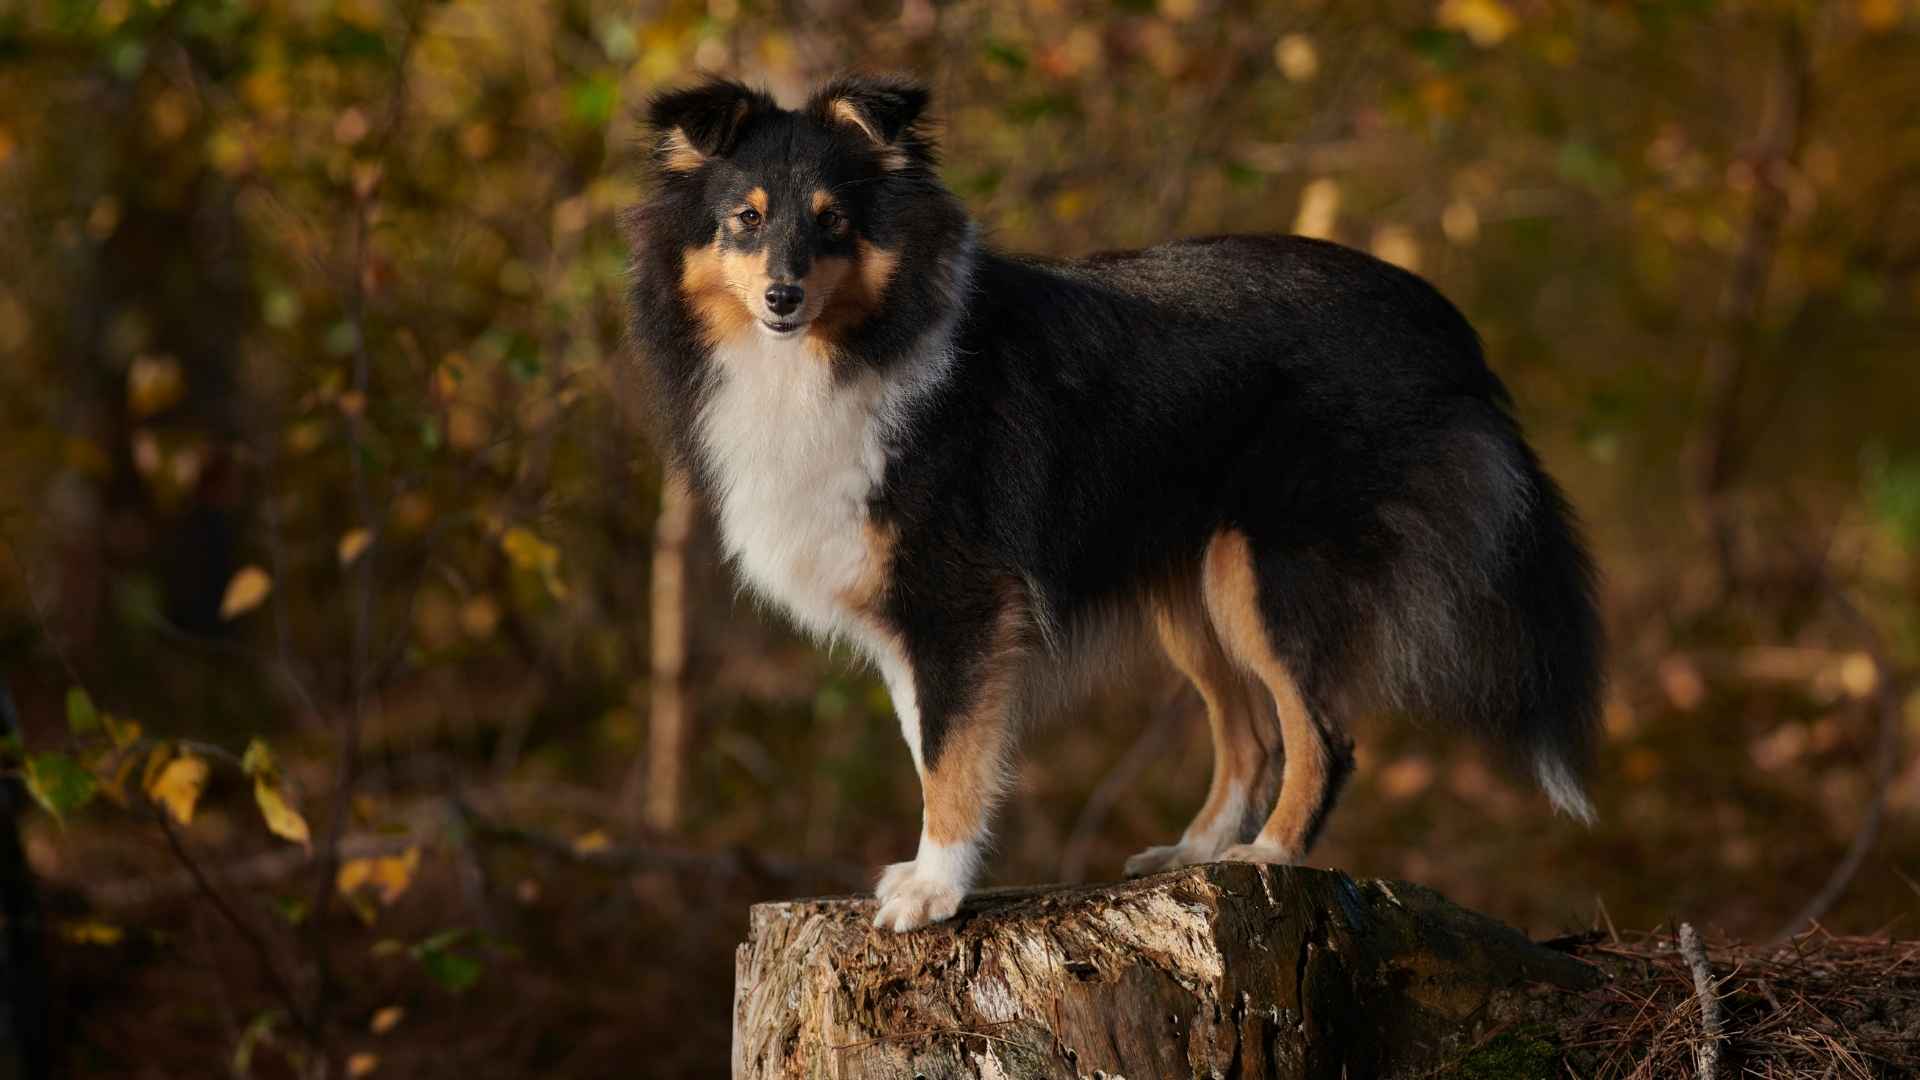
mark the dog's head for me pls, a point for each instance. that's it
(797, 221)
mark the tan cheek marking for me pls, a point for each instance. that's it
(711, 280)
(680, 156)
(858, 290)
(877, 266)
(757, 198)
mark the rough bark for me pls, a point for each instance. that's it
(1226, 970)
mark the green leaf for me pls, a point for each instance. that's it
(1444, 49)
(82, 717)
(594, 100)
(1895, 492)
(455, 971)
(59, 783)
(523, 358)
(1007, 54)
(258, 1033)
(292, 909)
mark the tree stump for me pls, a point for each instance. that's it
(1224, 970)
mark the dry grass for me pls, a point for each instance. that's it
(1818, 1006)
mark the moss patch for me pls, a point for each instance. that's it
(1528, 1054)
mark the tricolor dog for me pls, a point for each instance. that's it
(1283, 461)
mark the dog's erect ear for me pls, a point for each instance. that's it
(702, 122)
(884, 108)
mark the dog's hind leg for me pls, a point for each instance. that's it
(1244, 744)
(1319, 755)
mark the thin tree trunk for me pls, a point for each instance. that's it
(1725, 367)
(660, 800)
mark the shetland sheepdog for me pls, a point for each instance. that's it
(1282, 460)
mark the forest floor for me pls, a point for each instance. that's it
(534, 933)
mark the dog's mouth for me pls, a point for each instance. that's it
(782, 327)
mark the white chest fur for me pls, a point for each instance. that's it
(794, 457)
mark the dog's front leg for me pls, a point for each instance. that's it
(958, 721)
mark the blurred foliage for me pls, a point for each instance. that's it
(310, 365)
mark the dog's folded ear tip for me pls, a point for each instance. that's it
(703, 118)
(885, 105)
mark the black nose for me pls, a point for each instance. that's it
(785, 299)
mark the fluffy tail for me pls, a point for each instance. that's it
(1490, 617)
(1557, 706)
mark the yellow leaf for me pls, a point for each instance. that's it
(1485, 22)
(92, 932)
(353, 545)
(595, 841)
(362, 1064)
(156, 758)
(258, 760)
(528, 552)
(123, 733)
(352, 874)
(533, 555)
(245, 592)
(1319, 208)
(392, 874)
(1879, 15)
(153, 384)
(1296, 57)
(479, 617)
(386, 1019)
(178, 786)
(388, 875)
(281, 818)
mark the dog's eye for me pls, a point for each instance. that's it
(748, 217)
(831, 220)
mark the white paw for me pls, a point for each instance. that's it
(1259, 853)
(1166, 857)
(910, 898)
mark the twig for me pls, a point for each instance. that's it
(1073, 858)
(1889, 695)
(1725, 367)
(1607, 917)
(354, 722)
(255, 870)
(248, 933)
(741, 862)
(1707, 1054)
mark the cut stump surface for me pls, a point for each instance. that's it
(1224, 970)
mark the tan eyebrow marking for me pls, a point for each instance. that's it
(822, 198)
(757, 198)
